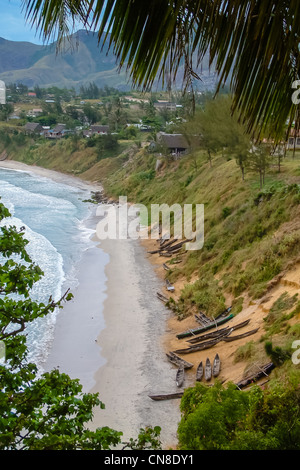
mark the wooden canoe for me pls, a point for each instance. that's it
(199, 373)
(224, 314)
(207, 370)
(197, 331)
(166, 396)
(216, 333)
(205, 345)
(202, 319)
(178, 361)
(216, 366)
(199, 347)
(162, 298)
(244, 335)
(180, 376)
(167, 242)
(213, 334)
(178, 246)
(262, 372)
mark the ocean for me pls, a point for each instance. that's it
(58, 227)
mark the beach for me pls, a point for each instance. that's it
(110, 336)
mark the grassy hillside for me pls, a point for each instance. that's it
(246, 240)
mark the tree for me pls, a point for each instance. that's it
(5, 111)
(252, 44)
(45, 411)
(91, 113)
(225, 418)
(117, 117)
(258, 160)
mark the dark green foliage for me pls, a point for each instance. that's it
(225, 418)
(278, 355)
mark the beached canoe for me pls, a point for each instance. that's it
(197, 331)
(162, 297)
(202, 319)
(199, 347)
(244, 335)
(214, 334)
(206, 345)
(216, 366)
(207, 370)
(178, 361)
(166, 396)
(199, 373)
(262, 371)
(180, 376)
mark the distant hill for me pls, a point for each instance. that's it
(81, 61)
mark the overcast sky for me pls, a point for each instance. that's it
(13, 25)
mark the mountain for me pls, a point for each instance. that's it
(80, 61)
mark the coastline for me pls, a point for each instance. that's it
(110, 336)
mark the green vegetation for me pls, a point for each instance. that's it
(224, 418)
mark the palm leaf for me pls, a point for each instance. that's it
(252, 43)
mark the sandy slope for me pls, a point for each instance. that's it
(288, 281)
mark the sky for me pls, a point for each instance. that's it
(13, 25)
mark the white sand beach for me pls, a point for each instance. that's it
(110, 336)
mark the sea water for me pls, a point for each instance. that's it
(56, 221)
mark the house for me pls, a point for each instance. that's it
(160, 104)
(96, 129)
(293, 140)
(33, 128)
(135, 100)
(176, 144)
(57, 132)
(35, 112)
(31, 94)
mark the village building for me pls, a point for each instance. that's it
(34, 112)
(33, 128)
(293, 142)
(159, 105)
(176, 144)
(98, 129)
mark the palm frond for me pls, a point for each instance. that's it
(252, 43)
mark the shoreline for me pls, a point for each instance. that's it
(51, 174)
(110, 336)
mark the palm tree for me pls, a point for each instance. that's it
(252, 43)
